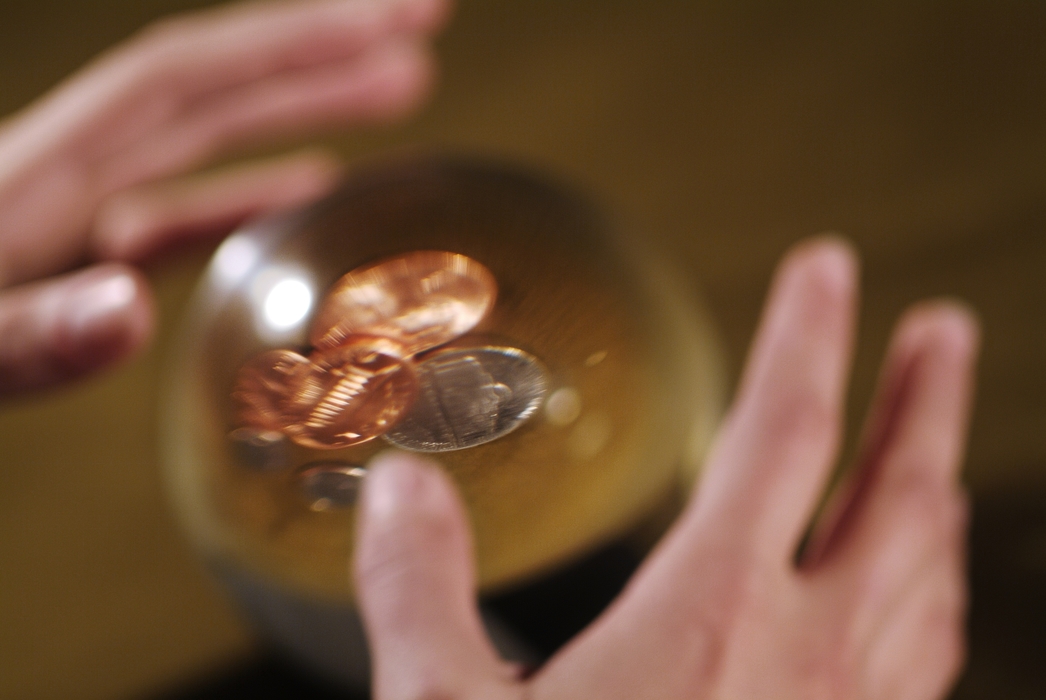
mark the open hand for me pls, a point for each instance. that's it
(722, 609)
(91, 171)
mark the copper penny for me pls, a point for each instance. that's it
(349, 394)
(259, 449)
(264, 385)
(421, 299)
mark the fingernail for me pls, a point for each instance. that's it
(961, 314)
(100, 318)
(835, 261)
(951, 323)
(98, 303)
(823, 267)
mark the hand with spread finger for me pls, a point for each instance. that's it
(94, 171)
(725, 607)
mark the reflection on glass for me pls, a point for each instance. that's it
(234, 259)
(282, 298)
(287, 303)
(563, 407)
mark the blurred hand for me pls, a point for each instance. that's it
(721, 609)
(90, 172)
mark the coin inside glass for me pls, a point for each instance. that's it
(263, 387)
(421, 299)
(259, 449)
(573, 292)
(331, 485)
(349, 394)
(470, 396)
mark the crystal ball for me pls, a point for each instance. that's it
(489, 317)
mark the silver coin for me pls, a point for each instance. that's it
(331, 485)
(260, 450)
(469, 396)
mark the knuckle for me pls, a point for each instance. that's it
(750, 588)
(701, 635)
(802, 417)
(910, 487)
(703, 622)
(930, 504)
(161, 42)
(150, 52)
(160, 34)
(737, 581)
(171, 28)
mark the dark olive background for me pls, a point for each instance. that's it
(724, 131)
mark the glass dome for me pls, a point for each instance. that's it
(570, 390)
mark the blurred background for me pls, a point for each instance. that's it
(724, 132)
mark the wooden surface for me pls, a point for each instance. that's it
(725, 131)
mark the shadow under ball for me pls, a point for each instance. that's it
(632, 383)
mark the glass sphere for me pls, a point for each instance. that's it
(611, 364)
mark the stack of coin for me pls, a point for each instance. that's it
(567, 411)
(376, 365)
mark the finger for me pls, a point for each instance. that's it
(67, 327)
(416, 587)
(89, 137)
(761, 481)
(240, 42)
(920, 648)
(382, 85)
(904, 503)
(770, 462)
(915, 435)
(136, 222)
(868, 579)
(922, 430)
(174, 62)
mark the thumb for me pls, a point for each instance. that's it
(415, 581)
